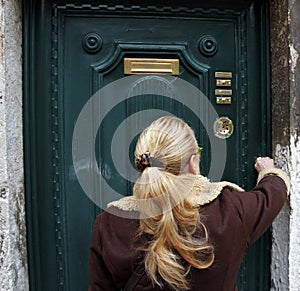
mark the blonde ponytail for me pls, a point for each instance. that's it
(167, 216)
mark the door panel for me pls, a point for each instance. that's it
(82, 50)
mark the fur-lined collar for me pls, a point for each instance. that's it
(203, 192)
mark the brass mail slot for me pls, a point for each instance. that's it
(223, 74)
(151, 66)
(223, 83)
(223, 100)
(223, 92)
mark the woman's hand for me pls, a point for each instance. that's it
(264, 163)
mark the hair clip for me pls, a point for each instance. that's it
(145, 160)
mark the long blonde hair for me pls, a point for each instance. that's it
(167, 216)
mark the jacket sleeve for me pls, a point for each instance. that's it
(259, 207)
(100, 277)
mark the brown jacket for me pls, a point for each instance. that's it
(234, 220)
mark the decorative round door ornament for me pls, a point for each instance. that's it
(208, 45)
(92, 42)
(223, 127)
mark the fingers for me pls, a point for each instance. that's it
(264, 163)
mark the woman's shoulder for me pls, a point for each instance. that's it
(204, 191)
(114, 220)
(116, 212)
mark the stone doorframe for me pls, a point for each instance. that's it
(285, 94)
(285, 82)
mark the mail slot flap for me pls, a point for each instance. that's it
(151, 66)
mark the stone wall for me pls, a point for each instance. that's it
(13, 254)
(285, 81)
(294, 62)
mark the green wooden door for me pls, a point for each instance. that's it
(72, 50)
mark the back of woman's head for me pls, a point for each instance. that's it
(170, 141)
(163, 152)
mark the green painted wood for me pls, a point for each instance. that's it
(61, 74)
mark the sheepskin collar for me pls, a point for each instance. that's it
(203, 192)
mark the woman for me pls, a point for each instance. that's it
(191, 234)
